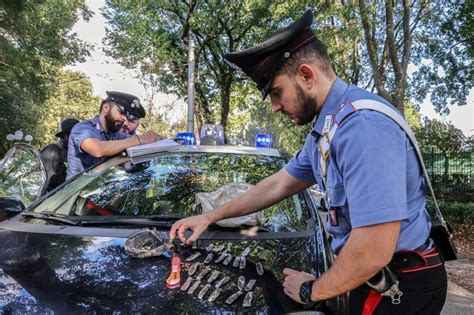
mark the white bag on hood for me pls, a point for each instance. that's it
(214, 199)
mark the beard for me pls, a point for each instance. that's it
(111, 124)
(307, 107)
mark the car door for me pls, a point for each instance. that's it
(22, 179)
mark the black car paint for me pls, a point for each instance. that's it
(72, 273)
(58, 269)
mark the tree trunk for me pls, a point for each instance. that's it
(225, 103)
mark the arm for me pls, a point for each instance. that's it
(266, 193)
(367, 250)
(99, 149)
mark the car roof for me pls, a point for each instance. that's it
(232, 149)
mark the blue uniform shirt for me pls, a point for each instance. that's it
(373, 176)
(77, 159)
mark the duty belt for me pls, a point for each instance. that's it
(385, 282)
(415, 260)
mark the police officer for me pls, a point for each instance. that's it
(374, 182)
(93, 140)
(133, 120)
(130, 128)
(54, 155)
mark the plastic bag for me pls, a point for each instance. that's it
(209, 201)
(146, 243)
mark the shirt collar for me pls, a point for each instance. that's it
(330, 106)
(98, 124)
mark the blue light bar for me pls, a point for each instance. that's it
(188, 138)
(263, 140)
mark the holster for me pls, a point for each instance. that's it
(383, 280)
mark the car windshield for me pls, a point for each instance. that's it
(168, 184)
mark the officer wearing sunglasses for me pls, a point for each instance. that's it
(93, 140)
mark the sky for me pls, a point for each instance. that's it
(107, 75)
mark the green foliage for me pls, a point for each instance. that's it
(73, 97)
(250, 115)
(443, 50)
(35, 42)
(412, 117)
(153, 36)
(455, 212)
(444, 136)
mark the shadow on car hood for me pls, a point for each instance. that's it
(67, 273)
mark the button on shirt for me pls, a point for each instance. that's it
(79, 160)
(373, 176)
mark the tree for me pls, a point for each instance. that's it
(371, 45)
(73, 97)
(154, 36)
(443, 136)
(35, 41)
(412, 117)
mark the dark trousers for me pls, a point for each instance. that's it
(424, 292)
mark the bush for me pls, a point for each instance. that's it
(455, 212)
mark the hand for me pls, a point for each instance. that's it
(293, 281)
(149, 137)
(197, 224)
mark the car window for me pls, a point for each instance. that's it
(167, 185)
(21, 175)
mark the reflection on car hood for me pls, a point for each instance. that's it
(68, 273)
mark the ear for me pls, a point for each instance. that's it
(106, 107)
(307, 75)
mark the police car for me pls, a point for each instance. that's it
(66, 252)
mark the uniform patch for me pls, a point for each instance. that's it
(327, 123)
(333, 217)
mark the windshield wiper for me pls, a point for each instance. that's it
(160, 221)
(52, 217)
(239, 229)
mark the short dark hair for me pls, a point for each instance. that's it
(313, 53)
(103, 102)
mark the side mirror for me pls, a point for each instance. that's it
(10, 207)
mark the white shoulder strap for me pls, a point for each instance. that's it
(395, 116)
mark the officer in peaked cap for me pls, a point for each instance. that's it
(366, 164)
(132, 107)
(129, 104)
(263, 61)
(93, 140)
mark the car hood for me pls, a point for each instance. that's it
(57, 273)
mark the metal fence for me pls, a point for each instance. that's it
(451, 176)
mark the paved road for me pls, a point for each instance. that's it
(459, 301)
(460, 297)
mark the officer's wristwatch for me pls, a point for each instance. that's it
(305, 291)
